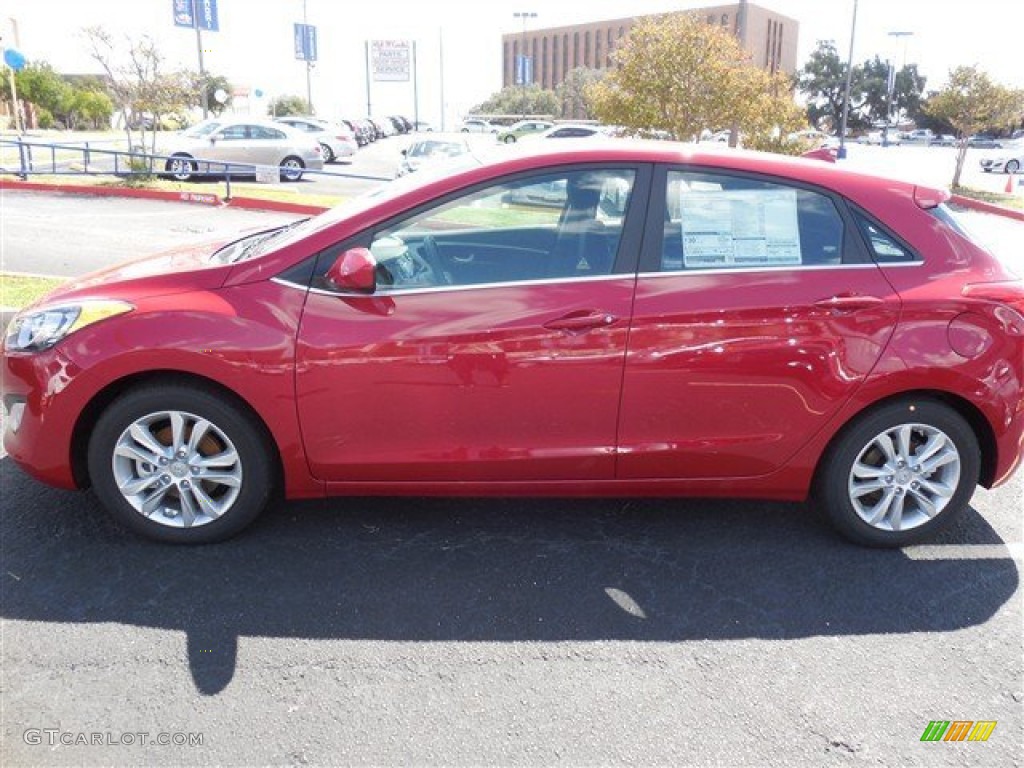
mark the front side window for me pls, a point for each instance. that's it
(716, 221)
(553, 226)
(233, 133)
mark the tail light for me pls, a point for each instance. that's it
(1009, 295)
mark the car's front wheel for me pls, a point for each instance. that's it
(899, 473)
(291, 169)
(510, 139)
(327, 152)
(180, 464)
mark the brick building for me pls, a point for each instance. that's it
(769, 37)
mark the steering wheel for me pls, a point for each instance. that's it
(430, 254)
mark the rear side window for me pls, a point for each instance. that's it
(717, 221)
(885, 248)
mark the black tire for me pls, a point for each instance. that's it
(1012, 166)
(292, 168)
(244, 437)
(327, 152)
(510, 139)
(181, 167)
(832, 494)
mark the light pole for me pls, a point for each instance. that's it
(524, 15)
(892, 78)
(309, 65)
(846, 89)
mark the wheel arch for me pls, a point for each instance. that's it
(91, 412)
(983, 431)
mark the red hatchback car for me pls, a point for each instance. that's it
(591, 320)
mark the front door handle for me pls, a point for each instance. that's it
(583, 320)
(849, 302)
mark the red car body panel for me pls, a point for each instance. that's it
(722, 384)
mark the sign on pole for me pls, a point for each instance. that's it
(193, 13)
(305, 42)
(524, 70)
(390, 60)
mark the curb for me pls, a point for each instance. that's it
(983, 207)
(202, 198)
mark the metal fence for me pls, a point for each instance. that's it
(31, 158)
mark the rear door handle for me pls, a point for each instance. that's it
(849, 302)
(583, 320)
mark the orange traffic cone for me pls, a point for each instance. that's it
(1009, 184)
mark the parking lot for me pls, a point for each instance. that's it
(513, 632)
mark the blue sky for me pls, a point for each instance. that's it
(254, 46)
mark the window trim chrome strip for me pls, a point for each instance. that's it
(769, 270)
(630, 276)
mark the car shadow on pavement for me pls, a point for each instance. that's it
(493, 570)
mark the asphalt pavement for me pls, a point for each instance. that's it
(468, 632)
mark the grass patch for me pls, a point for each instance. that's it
(998, 198)
(20, 290)
(501, 217)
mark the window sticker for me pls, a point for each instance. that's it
(739, 228)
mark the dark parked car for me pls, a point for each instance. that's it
(984, 141)
(644, 320)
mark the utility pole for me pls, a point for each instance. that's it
(204, 97)
(309, 66)
(741, 35)
(440, 55)
(846, 90)
(524, 15)
(892, 79)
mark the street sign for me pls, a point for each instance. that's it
(305, 42)
(14, 59)
(391, 60)
(187, 13)
(524, 70)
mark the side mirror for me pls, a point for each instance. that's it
(354, 271)
(405, 152)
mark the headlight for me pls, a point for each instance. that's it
(41, 328)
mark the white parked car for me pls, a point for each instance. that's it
(571, 131)
(337, 140)
(234, 146)
(432, 149)
(1007, 160)
(476, 125)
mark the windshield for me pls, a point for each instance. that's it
(202, 129)
(437, 148)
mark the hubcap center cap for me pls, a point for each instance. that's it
(179, 468)
(904, 476)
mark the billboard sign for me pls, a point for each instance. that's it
(305, 42)
(391, 60)
(524, 70)
(188, 12)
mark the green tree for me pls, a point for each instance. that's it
(678, 74)
(137, 80)
(906, 97)
(519, 100)
(283, 106)
(822, 81)
(210, 84)
(971, 101)
(572, 93)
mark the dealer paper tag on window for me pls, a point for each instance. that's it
(739, 228)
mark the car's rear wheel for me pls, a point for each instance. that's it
(1012, 166)
(181, 167)
(292, 168)
(179, 464)
(899, 473)
(327, 152)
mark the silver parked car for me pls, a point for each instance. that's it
(236, 145)
(337, 140)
